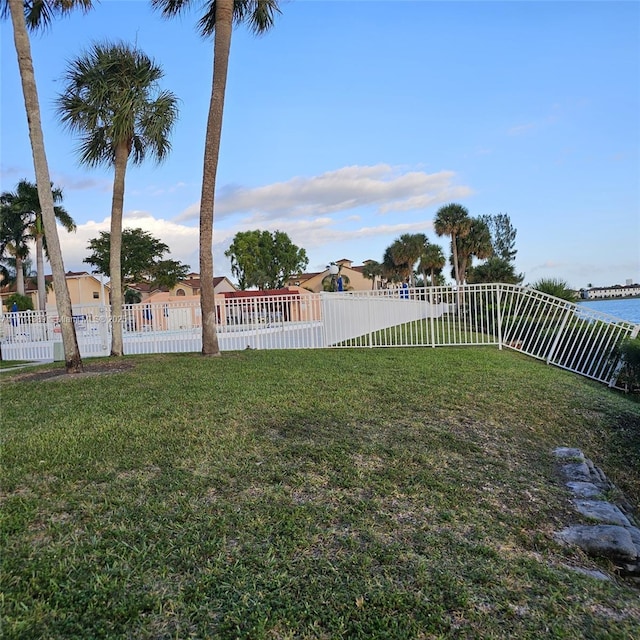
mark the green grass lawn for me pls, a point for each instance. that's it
(391, 493)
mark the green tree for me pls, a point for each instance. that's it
(142, 259)
(405, 251)
(495, 269)
(391, 272)
(475, 243)
(432, 261)
(167, 273)
(217, 19)
(25, 198)
(264, 260)
(555, 287)
(243, 254)
(453, 220)
(373, 271)
(15, 225)
(35, 15)
(503, 235)
(112, 100)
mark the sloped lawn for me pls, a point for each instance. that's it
(390, 493)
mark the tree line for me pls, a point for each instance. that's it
(413, 259)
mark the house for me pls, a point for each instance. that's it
(353, 277)
(188, 288)
(84, 289)
(629, 290)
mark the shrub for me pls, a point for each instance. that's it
(24, 302)
(629, 353)
(555, 287)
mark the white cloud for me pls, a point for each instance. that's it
(181, 239)
(306, 208)
(383, 187)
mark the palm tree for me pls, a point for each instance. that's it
(14, 237)
(37, 14)
(391, 272)
(453, 220)
(406, 251)
(433, 261)
(25, 199)
(218, 19)
(373, 271)
(113, 102)
(475, 243)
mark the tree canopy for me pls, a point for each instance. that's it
(503, 235)
(25, 202)
(495, 269)
(142, 258)
(432, 260)
(265, 260)
(556, 287)
(405, 251)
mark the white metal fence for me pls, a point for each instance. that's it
(560, 333)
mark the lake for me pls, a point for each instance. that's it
(625, 309)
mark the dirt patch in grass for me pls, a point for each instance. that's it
(92, 369)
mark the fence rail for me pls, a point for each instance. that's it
(507, 316)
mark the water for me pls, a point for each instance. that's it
(625, 309)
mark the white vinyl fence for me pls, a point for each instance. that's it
(558, 332)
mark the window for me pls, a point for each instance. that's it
(180, 292)
(96, 295)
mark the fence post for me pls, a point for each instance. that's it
(104, 328)
(499, 315)
(432, 314)
(370, 320)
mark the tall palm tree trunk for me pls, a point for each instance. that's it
(42, 287)
(19, 275)
(454, 249)
(115, 255)
(221, 48)
(73, 361)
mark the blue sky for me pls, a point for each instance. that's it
(351, 123)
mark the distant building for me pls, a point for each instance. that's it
(616, 291)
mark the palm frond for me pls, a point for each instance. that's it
(39, 14)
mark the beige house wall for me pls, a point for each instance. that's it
(356, 281)
(84, 289)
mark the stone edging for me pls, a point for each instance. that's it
(615, 534)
